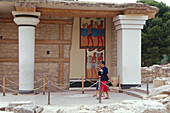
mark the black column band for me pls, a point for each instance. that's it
(34, 16)
(127, 86)
(26, 25)
(26, 92)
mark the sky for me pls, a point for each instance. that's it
(126, 1)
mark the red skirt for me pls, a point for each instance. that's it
(104, 87)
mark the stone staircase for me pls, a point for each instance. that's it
(136, 92)
(139, 92)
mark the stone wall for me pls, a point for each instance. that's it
(8, 50)
(114, 45)
(11, 71)
(9, 30)
(47, 31)
(41, 51)
(114, 51)
(155, 71)
(42, 68)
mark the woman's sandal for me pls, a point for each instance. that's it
(94, 95)
(106, 98)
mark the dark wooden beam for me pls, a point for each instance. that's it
(6, 20)
(37, 60)
(51, 60)
(26, 9)
(61, 73)
(8, 41)
(59, 42)
(42, 21)
(135, 11)
(151, 14)
(77, 13)
(61, 55)
(9, 59)
(61, 33)
(15, 41)
(66, 22)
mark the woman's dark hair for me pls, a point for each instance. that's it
(103, 62)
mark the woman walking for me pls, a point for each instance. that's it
(99, 77)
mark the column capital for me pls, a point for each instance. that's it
(26, 18)
(129, 21)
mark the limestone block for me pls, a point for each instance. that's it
(157, 69)
(60, 111)
(160, 90)
(83, 107)
(167, 81)
(168, 107)
(145, 106)
(162, 96)
(166, 71)
(165, 100)
(128, 106)
(23, 109)
(150, 78)
(11, 105)
(38, 109)
(28, 109)
(158, 83)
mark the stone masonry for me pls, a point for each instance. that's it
(48, 69)
(114, 50)
(154, 72)
(114, 46)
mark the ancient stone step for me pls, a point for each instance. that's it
(138, 89)
(139, 92)
(134, 93)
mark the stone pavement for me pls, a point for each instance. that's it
(73, 101)
(68, 98)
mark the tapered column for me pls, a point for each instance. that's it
(26, 31)
(129, 48)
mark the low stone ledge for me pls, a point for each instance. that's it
(158, 83)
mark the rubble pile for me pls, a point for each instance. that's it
(158, 101)
(23, 107)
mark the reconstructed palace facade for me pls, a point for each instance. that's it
(65, 40)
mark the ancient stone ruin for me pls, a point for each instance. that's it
(155, 72)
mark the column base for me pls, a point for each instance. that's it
(127, 86)
(26, 91)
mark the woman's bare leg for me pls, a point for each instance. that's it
(95, 93)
